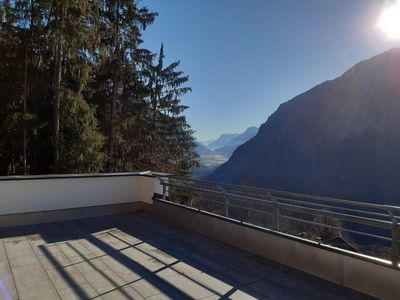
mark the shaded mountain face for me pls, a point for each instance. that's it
(339, 139)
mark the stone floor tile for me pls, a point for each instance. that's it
(38, 291)
(96, 251)
(145, 288)
(20, 252)
(103, 280)
(125, 237)
(156, 253)
(186, 285)
(111, 241)
(7, 285)
(54, 261)
(122, 270)
(143, 259)
(65, 277)
(211, 282)
(275, 291)
(83, 291)
(123, 293)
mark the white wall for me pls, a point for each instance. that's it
(33, 195)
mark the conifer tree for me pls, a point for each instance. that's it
(172, 143)
(117, 57)
(73, 33)
(14, 50)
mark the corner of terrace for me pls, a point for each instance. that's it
(153, 236)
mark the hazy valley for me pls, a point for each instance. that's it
(214, 153)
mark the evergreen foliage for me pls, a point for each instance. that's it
(171, 135)
(79, 94)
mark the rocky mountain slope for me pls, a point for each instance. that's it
(340, 139)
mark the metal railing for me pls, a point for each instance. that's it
(317, 218)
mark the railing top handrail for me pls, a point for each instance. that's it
(292, 207)
(299, 195)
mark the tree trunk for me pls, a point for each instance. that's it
(113, 116)
(24, 109)
(28, 43)
(56, 108)
(56, 93)
(113, 108)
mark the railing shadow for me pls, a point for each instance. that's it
(162, 285)
(60, 269)
(93, 226)
(280, 272)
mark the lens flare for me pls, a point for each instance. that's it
(389, 21)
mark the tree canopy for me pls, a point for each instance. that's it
(79, 93)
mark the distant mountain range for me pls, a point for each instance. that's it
(222, 141)
(339, 139)
(218, 151)
(230, 145)
(202, 149)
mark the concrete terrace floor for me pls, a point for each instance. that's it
(136, 256)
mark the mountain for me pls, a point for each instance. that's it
(222, 140)
(339, 139)
(231, 145)
(207, 142)
(225, 150)
(243, 137)
(202, 150)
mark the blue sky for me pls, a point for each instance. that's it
(245, 57)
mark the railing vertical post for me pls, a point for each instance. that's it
(191, 196)
(395, 251)
(226, 206)
(277, 219)
(164, 192)
(226, 201)
(164, 187)
(189, 201)
(275, 213)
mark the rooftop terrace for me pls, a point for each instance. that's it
(135, 256)
(120, 236)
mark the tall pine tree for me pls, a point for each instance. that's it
(171, 140)
(116, 78)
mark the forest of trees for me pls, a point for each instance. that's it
(79, 93)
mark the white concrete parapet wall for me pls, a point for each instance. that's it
(28, 194)
(373, 277)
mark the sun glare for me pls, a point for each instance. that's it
(389, 21)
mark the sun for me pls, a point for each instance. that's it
(389, 21)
